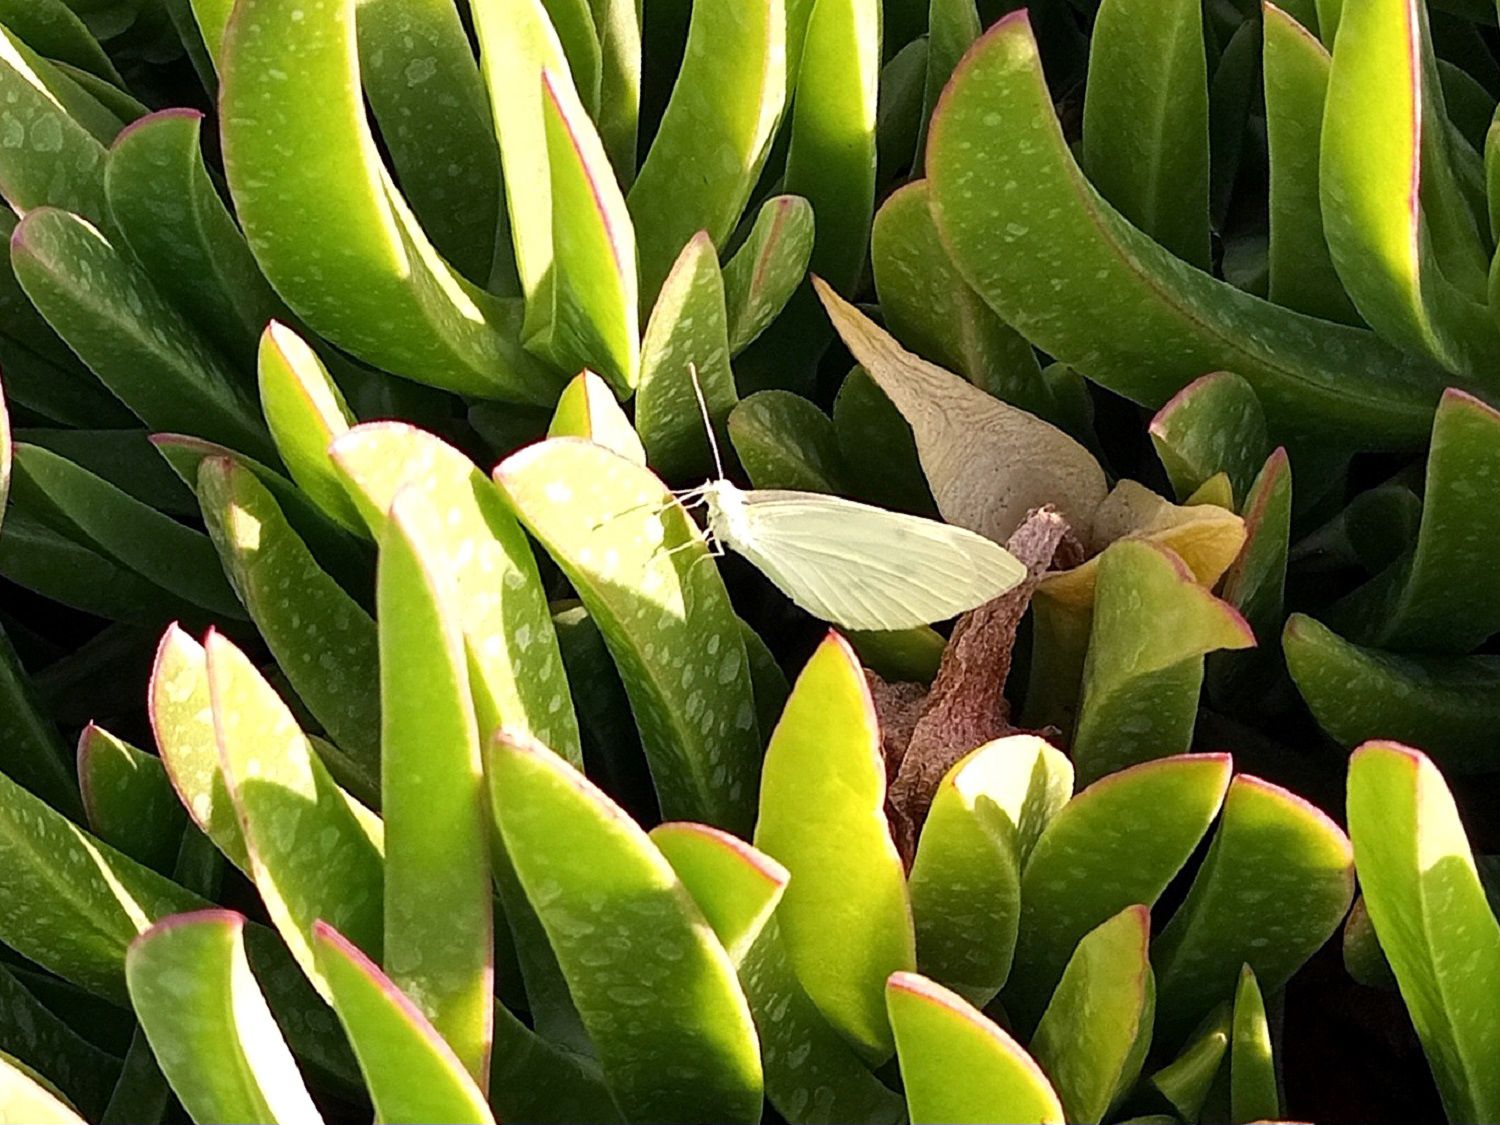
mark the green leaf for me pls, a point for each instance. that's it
(179, 559)
(40, 1039)
(1152, 626)
(125, 458)
(627, 934)
(846, 916)
(29, 1097)
(311, 857)
(687, 338)
(1277, 881)
(1414, 267)
(129, 800)
(784, 441)
(1364, 960)
(879, 452)
(1094, 1035)
(208, 1023)
(1432, 918)
(1450, 704)
(1062, 267)
(331, 231)
(767, 268)
(1186, 1081)
(306, 412)
(735, 886)
(1154, 816)
(898, 111)
(932, 310)
(957, 1065)
(1253, 1094)
(439, 927)
(1145, 120)
(53, 30)
(130, 336)
(594, 287)
(413, 1075)
(588, 409)
(618, 24)
(952, 27)
(637, 562)
(515, 671)
(1255, 583)
(965, 882)
(715, 132)
(173, 222)
(322, 638)
(31, 751)
(1301, 270)
(1214, 424)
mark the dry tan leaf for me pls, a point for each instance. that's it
(988, 463)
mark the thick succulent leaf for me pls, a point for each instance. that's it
(439, 924)
(1277, 881)
(129, 335)
(1299, 266)
(126, 458)
(1364, 960)
(311, 857)
(331, 231)
(39, 1039)
(767, 268)
(846, 917)
(532, 1079)
(1255, 583)
(715, 133)
(27, 1097)
(1214, 424)
(208, 1023)
(129, 800)
(588, 409)
(784, 441)
(306, 412)
(627, 934)
(932, 310)
(1449, 704)
(1187, 1080)
(1432, 918)
(967, 438)
(31, 751)
(1253, 1093)
(687, 338)
(54, 30)
(1145, 120)
(1382, 138)
(952, 27)
(898, 115)
(173, 222)
(965, 881)
(76, 502)
(1154, 815)
(735, 886)
(323, 640)
(1095, 1032)
(958, 1066)
(637, 561)
(515, 670)
(412, 1074)
(1152, 626)
(1058, 263)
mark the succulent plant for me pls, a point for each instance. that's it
(431, 762)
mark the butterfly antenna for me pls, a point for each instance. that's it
(708, 424)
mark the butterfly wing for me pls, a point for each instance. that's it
(866, 568)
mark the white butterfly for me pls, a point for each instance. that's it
(853, 564)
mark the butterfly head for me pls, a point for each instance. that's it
(726, 511)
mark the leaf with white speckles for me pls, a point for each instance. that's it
(136, 342)
(1253, 1087)
(1214, 424)
(715, 133)
(588, 409)
(879, 452)
(129, 800)
(735, 886)
(322, 638)
(1117, 843)
(1095, 1033)
(1432, 918)
(639, 564)
(966, 878)
(687, 335)
(653, 985)
(208, 1023)
(331, 230)
(1152, 626)
(1276, 883)
(767, 268)
(310, 856)
(846, 916)
(52, 28)
(956, 1065)
(1066, 270)
(516, 672)
(784, 441)
(412, 1074)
